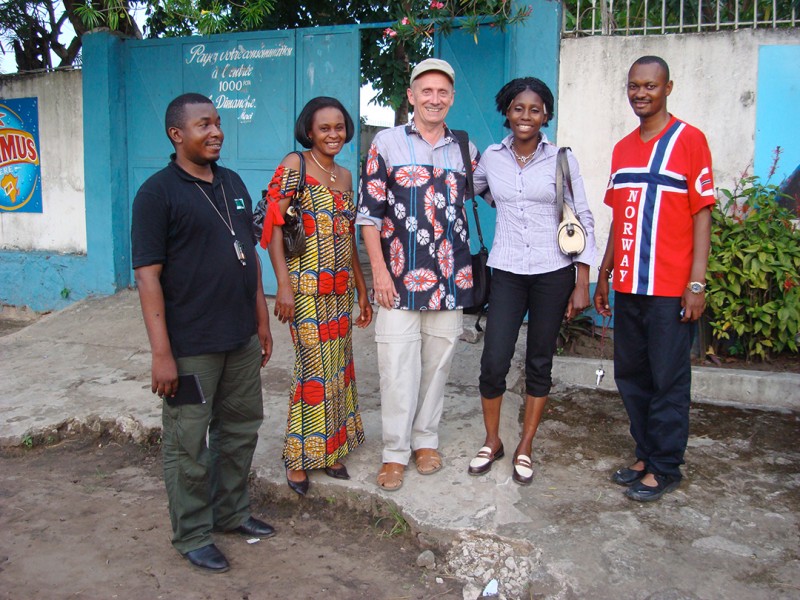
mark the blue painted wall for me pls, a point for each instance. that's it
(529, 49)
(778, 111)
(47, 280)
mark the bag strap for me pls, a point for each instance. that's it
(463, 143)
(301, 183)
(564, 176)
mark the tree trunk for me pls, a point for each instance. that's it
(401, 114)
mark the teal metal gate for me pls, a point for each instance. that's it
(482, 68)
(258, 81)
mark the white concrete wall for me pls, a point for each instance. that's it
(61, 226)
(714, 75)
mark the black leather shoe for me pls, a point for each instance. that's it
(301, 487)
(208, 558)
(340, 473)
(626, 476)
(645, 493)
(256, 528)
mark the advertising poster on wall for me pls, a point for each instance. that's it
(20, 171)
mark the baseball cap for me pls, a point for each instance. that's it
(433, 64)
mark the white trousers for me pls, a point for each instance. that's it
(415, 351)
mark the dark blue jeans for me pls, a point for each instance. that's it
(544, 297)
(653, 373)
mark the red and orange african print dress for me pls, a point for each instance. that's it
(324, 423)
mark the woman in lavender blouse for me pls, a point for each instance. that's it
(530, 274)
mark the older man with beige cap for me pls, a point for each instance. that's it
(411, 213)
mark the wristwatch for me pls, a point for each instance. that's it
(696, 287)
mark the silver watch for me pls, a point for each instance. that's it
(696, 287)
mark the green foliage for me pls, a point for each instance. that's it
(570, 331)
(753, 293)
(397, 525)
(387, 55)
(112, 14)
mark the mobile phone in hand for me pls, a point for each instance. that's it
(189, 391)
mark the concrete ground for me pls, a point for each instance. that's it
(729, 531)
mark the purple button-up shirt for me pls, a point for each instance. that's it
(527, 217)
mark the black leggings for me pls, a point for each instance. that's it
(544, 297)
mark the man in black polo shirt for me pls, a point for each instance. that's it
(199, 282)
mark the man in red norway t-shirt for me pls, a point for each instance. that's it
(661, 191)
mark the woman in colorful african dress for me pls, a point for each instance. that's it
(316, 295)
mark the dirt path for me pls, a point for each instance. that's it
(88, 519)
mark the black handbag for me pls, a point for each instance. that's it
(481, 273)
(294, 234)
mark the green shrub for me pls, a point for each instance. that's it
(753, 291)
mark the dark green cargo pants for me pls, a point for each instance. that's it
(207, 482)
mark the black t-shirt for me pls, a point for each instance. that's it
(210, 296)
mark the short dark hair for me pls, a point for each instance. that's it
(650, 60)
(306, 119)
(515, 87)
(176, 115)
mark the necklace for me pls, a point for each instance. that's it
(332, 172)
(521, 158)
(237, 245)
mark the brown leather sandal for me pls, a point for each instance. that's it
(428, 461)
(390, 477)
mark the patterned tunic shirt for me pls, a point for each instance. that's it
(413, 193)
